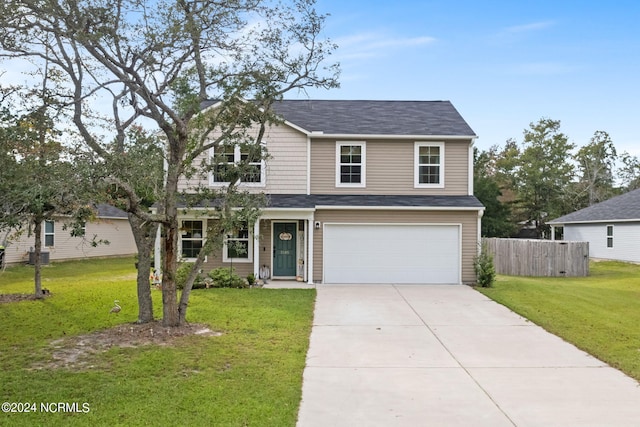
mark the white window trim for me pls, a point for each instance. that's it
(416, 164)
(236, 158)
(610, 237)
(52, 234)
(363, 166)
(249, 258)
(204, 236)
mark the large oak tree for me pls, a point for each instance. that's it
(155, 62)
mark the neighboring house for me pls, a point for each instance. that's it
(612, 227)
(359, 192)
(111, 225)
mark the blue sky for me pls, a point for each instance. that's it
(503, 64)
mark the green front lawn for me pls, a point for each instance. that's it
(249, 375)
(599, 314)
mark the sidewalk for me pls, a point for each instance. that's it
(404, 355)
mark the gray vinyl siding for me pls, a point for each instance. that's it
(626, 239)
(469, 221)
(389, 168)
(263, 249)
(215, 259)
(286, 165)
(116, 231)
(287, 162)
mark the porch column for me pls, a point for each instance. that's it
(553, 232)
(310, 231)
(256, 248)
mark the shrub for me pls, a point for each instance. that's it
(251, 279)
(224, 277)
(485, 270)
(182, 274)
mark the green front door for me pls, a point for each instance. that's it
(284, 249)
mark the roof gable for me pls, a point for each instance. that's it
(108, 211)
(625, 207)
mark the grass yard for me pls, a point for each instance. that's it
(251, 375)
(599, 314)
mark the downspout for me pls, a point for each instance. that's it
(470, 179)
(256, 249)
(480, 214)
(308, 164)
(310, 222)
(310, 230)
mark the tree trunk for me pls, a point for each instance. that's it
(144, 236)
(170, 315)
(186, 291)
(37, 251)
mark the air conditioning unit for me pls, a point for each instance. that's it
(44, 258)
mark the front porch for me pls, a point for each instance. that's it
(282, 242)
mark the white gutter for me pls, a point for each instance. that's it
(379, 136)
(403, 208)
(595, 221)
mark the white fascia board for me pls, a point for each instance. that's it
(287, 213)
(402, 208)
(212, 106)
(298, 128)
(598, 221)
(266, 213)
(380, 136)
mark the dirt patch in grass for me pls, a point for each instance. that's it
(6, 298)
(76, 352)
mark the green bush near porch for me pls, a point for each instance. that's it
(249, 375)
(599, 314)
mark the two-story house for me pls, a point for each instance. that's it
(359, 192)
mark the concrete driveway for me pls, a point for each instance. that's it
(445, 355)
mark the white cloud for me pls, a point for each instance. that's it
(525, 28)
(371, 45)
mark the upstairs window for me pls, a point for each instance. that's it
(429, 165)
(233, 163)
(237, 245)
(609, 236)
(192, 233)
(350, 164)
(250, 159)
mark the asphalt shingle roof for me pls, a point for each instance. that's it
(305, 201)
(351, 117)
(302, 201)
(624, 207)
(108, 211)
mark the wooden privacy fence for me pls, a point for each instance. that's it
(553, 258)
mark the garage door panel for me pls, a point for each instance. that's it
(356, 253)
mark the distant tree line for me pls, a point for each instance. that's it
(523, 185)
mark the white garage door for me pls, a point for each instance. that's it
(383, 253)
